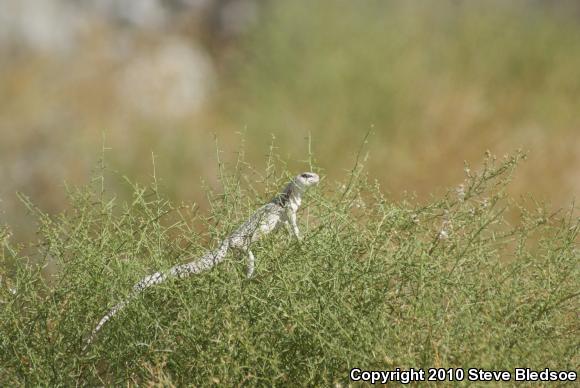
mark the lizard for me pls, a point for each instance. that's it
(280, 210)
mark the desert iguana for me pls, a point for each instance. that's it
(280, 210)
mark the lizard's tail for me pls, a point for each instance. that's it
(109, 315)
(204, 263)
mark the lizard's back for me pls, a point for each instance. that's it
(263, 221)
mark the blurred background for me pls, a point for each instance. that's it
(439, 82)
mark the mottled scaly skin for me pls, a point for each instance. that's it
(280, 210)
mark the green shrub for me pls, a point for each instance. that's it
(374, 284)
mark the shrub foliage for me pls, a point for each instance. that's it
(472, 278)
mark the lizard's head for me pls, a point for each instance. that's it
(306, 179)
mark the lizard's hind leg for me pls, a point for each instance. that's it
(251, 263)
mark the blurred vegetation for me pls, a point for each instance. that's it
(438, 82)
(375, 283)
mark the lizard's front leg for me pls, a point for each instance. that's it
(292, 219)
